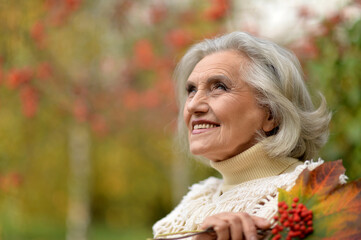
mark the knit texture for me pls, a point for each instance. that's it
(250, 185)
(252, 164)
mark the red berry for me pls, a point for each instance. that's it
(275, 231)
(296, 218)
(280, 204)
(309, 223)
(277, 237)
(294, 205)
(292, 234)
(296, 199)
(275, 218)
(304, 213)
(307, 218)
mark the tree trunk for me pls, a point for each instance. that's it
(78, 218)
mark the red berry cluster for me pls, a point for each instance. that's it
(296, 221)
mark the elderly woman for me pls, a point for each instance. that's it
(245, 107)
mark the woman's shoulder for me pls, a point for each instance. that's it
(270, 184)
(199, 194)
(203, 188)
(208, 182)
(309, 164)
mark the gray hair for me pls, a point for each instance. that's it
(277, 77)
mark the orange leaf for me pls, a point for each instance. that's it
(336, 207)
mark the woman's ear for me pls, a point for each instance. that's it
(269, 122)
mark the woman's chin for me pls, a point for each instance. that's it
(205, 152)
(199, 151)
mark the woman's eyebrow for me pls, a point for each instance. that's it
(211, 80)
(222, 77)
(189, 83)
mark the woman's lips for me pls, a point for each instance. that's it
(202, 130)
(200, 126)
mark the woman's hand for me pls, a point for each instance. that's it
(233, 226)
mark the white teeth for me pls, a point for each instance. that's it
(203, 126)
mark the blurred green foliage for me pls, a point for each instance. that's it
(336, 73)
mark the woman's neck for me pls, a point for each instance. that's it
(252, 164)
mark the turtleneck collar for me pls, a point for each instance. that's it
(252, 164)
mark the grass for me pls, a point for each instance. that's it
(52, 231)
(103, 232)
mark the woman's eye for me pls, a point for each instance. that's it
(220, 86)
(191, 90)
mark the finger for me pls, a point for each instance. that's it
(220, 226)
(261, 223)
(236, 228)
(205, 236)
(249, 228)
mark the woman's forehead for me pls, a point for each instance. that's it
(223, 63)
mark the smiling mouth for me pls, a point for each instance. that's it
(205, 126)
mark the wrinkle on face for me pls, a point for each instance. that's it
(236, 108)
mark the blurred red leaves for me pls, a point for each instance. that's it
(120, 11)
(99, 125)
(151, 61)
(158, 13)
(37, 33)
(80, 110)
(144, 54)
(17, 77)
(58, 12)
(306, 48)
(10, 180)
(178, 38)
(150, 98)
(29, 100)
(72, 5)
(131, 100)
(1, 70)
(44, 71)
(331, 22)
(305, 12)
(217, 10)
(187, 17)
(20, 80)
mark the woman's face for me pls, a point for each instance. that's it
(221, 111)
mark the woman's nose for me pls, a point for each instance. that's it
(198, 103)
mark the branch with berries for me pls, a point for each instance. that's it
(294, 222)
(319, 206)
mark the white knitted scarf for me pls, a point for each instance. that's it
(257, 197)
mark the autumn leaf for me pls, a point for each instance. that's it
(336, 207)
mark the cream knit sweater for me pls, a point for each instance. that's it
(250, 183)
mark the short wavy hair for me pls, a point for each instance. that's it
(276, 75)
